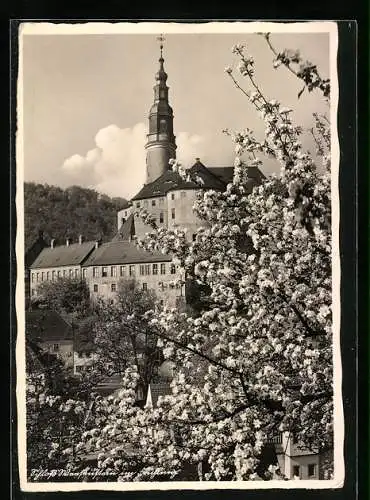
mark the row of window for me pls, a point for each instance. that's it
(104, 272)
(113, 287)
(144, 270)
(153, 202)
(53, 275)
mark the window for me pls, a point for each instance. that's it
(183, 194)
(145, 203)
(311, 470)
(104, 272)
(113, 271)
(163, 268)
(71, 273)
(153, 203)
(95, 288)
(194, 237)
(296, 470)
(138, 204)
(53, 275)
(84, 273)
(76, 273)
(161, 218)
(145, 286)
(142, 269)
(172, 196)
(173, 269)
(32, 277)
(69, 354)
(155, 268)
(58, 273)
(131, 270)
(56, 347)
(95, 272)
(123, 220)
(113, 287)
(172, 213)
(37, 276)
(42, 276)
(34, 292)
(47, 275)
(161, 202)
(122, 270)
(147, 269)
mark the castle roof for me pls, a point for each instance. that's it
(171, 180)
(123, 252)
(63, 255)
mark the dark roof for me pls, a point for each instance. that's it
(34, 249)
(122, 252)
(172, 180)
(225, 173)
(127, 230)
(47, 325)
(157, 389)
(71, 255)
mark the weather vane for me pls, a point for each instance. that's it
(161, 39)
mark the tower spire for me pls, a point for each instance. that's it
(161, 146)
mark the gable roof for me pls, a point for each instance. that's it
(71, 255)
(123, 252)
(127, 230)
(47, 325)
(171, 180)
(157, 389)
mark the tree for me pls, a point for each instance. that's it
(258, 359)
(68, 296)
(123, 334)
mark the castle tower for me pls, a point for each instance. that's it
(161, 146)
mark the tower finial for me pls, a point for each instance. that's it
(161, 39)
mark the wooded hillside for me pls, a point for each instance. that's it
(62, 213)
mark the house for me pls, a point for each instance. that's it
(119, 260)
(62, 261)
(30, 255)
(52, 333)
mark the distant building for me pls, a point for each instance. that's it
(30, 255)
(62, 261)
(52, 333)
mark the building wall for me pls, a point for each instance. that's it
(38, 276)
(103, 281)
(62, 348)
(180, 211)
(297, 457)
(157, 206)
(122, 216)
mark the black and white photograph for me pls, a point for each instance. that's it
(177, 300)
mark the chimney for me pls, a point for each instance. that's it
(80, 239)
(97, 243)
(52, 243)
(197, 159)
(68, 241)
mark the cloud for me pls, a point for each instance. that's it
(116, 166)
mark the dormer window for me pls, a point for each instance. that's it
(153, 203)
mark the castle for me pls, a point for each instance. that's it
(166, 196)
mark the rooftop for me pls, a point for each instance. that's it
(122, 252)
(45, 325)
(63, 255)
(171, 180)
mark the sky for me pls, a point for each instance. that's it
(86, 100)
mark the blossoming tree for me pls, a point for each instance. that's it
(256, 360)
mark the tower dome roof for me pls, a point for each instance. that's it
(161, 75)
